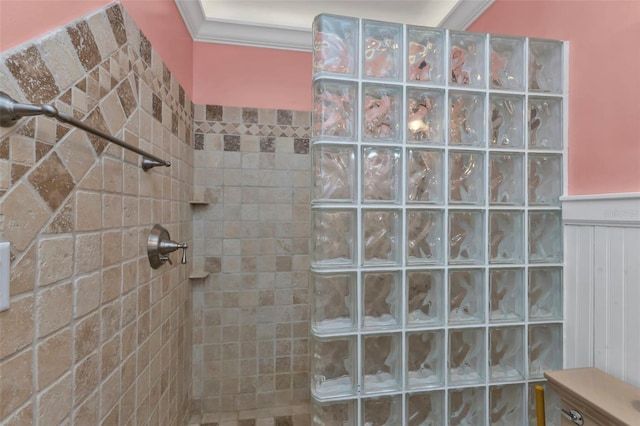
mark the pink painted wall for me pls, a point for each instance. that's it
(23, 20)
(251, 77)
(604, 82)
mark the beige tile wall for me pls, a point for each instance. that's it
(251, 315)
(93, 335)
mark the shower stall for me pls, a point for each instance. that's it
(436, 248)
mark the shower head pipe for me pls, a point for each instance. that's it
(11, 111)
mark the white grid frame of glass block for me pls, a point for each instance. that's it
(403, 206)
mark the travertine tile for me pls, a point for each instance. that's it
(22, 417)
(33, 76)
(103, 34)
(86, 294)
(52, 181)
(54, 308)
(23, 272)
(54, 357)
(55, 257)
(16, 326)
(24, 215)
(85, 45)
(17, 381)
(54, 404)
(60, 57)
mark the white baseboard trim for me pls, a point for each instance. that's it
(602, 209)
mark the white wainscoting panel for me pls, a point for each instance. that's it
(602, 284)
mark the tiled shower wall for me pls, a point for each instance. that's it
(251, 314)
(94, 335)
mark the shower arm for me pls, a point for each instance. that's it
(11, 111)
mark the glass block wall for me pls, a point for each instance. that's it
(436, 246)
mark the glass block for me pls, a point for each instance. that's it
(382, 411)
(425, 237)
(425, 55)
(334, 233)
(425, 180)
(545, 123)
(382, 44)
(425, 291)
(506, 295)
(466, 177)
(545, 179)
(506, 180)
(506, 357)
(551, 403)
(545, 66)
(506, 121)
(467, 354)
(506, 232)
(466, 237)
(545, 236)
(506, 405)
(545, 294)
(381, 232)
(467, 59)
(507, 63)
(333, 302)
(466, 119)
(335, 45)
(466, 296)
(335, 105)
(545, 348)
(425, 359)
(380, 174)
(467, 407)
(382, 293)
(333, 367)
(425, 116)
(334, 172)
(339, 413)
(425, 409)
(382, 361)
(381, 112)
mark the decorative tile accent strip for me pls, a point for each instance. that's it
(231, 143)
(33, 76)
(86, 47)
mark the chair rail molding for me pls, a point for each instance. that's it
(602, 209)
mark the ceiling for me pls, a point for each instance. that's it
(287, 24)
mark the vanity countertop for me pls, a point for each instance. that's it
(598, 394)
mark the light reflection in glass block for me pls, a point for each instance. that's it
(335, 111)
(382, 45)
(466, 119)
(545, 179)
(506, 295)
(506, 405)
(425, 180)
(425, 55)
(466, 237)
(507, 121)
(335, 43)
(425, 359)
(382, 411)
(467, 356)
(382, 360)
(506, 356)
(425, 293)
(551, 403)
(545, 294)
(334, 172)
(425, 409)
(545, 65)
(340, 413)
(334, 307)
(545, 123)
(545, 236)
(382, 296)
(380, 170)
(467, 407)
(425, 115)
(506, 180)
(425, 239)
(333, 367)
(381, 234)
(507, 63)
(467, 59)
(466, 296)
(381, 112)
(466, 177)
(506, 229)
(334, 235)
(545, 348)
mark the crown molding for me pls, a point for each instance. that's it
(203, 29)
